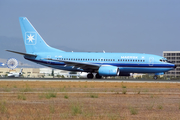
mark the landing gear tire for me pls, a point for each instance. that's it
(90, 76)
(98, 76)
(155, 77)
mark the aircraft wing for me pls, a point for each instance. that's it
(81, 65)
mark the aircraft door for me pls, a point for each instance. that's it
(151, 61)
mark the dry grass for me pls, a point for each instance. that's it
(61, 100)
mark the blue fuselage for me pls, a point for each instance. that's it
(126, 62)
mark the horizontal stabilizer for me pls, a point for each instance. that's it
(21, 53)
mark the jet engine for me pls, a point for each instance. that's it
(108, 71)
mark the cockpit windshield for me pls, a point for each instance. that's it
(165, 60)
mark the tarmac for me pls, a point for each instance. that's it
(92, 80)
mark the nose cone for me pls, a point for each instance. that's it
(175, 66)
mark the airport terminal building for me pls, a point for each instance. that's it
(174, 57)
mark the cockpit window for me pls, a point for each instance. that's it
(164, 60)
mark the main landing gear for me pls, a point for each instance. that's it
(91, 76)
(98, 76)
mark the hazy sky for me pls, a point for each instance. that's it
(137, 26)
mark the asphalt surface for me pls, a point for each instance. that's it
(90, 80)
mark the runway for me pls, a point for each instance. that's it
(91, 80)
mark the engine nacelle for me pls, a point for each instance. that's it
(108, 71)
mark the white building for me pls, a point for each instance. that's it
(174, 57)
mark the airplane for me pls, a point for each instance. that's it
(13, 74)
(103, 64)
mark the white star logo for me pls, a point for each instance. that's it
(30, 38)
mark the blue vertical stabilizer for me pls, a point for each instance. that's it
(34, 43)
